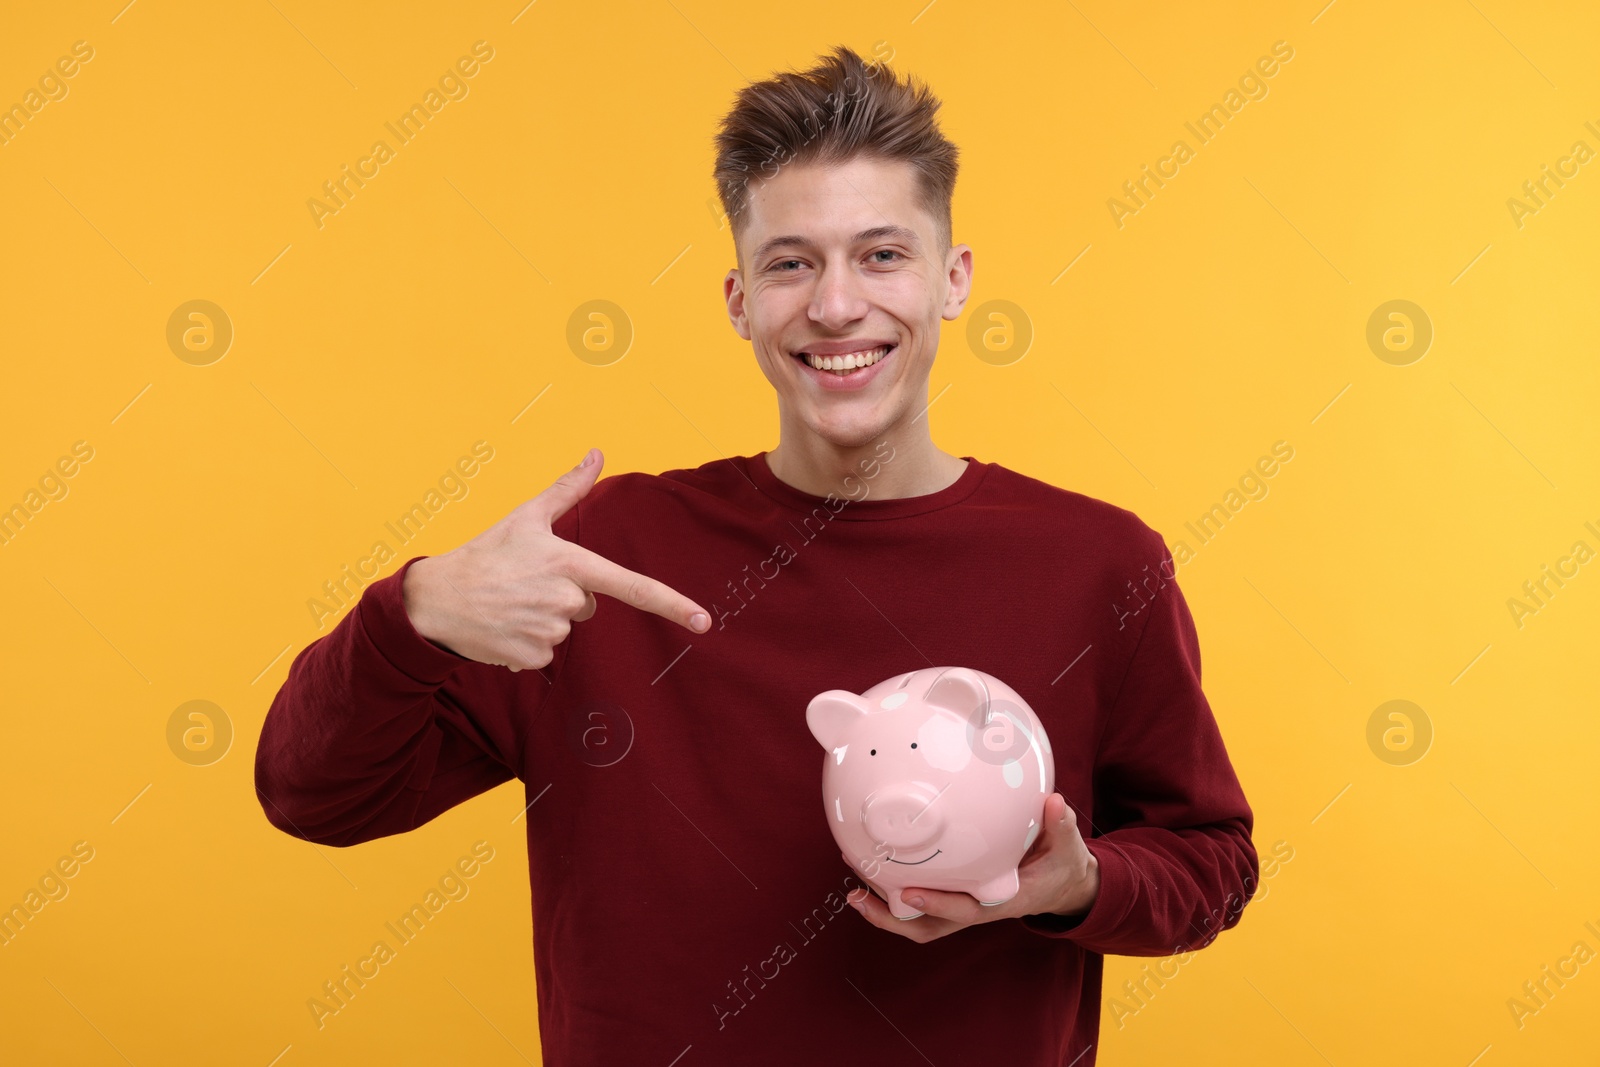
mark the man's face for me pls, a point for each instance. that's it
(841, 259)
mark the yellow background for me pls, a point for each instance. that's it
(430, 311)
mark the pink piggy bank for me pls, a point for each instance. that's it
(936, 779)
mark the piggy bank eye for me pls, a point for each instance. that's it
(913, 744)
(874, 752)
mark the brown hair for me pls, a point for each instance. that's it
(840, 109)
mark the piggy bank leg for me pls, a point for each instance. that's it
(998, 890)
(899, 908)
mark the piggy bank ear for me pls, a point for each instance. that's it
(830, 714)
(962, 691)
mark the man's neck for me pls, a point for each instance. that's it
(899, 465)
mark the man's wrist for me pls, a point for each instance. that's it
(1081, 896)
(417, 596)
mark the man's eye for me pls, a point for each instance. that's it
(783, 263)
(887, 252)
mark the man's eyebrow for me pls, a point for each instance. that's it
(875, 234)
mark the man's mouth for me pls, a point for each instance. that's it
(843, 363)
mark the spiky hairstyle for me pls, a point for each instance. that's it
(842, 108)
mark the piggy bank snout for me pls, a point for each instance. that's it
(903, 817)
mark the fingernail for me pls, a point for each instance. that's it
(588, 458)
(915, 902)
(698, 622)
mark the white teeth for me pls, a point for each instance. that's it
(849, 361)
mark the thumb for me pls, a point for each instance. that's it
(559, 497)
(1057, 824)
(1059, 818)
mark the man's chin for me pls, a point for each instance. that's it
(850, 434)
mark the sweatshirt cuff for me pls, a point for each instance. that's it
(1111, 904)
(383, 617)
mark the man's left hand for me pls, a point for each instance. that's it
(1058, 875)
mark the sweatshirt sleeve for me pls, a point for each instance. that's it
(1172, 828)
(377, 730)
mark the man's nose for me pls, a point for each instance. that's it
(837, 300)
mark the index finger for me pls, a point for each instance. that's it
(596, 574)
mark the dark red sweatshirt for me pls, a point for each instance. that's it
(688, 896)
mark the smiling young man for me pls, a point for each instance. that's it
(688, 901)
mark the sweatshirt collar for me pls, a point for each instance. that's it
(855, 500)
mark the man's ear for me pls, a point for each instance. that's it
(958, 272)
(733, 294)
